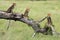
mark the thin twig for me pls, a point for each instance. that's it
(8, 24)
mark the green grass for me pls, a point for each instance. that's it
(38, 9)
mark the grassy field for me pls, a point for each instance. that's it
(38, 9)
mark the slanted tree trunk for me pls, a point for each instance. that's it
(10, 15)
(18, 17)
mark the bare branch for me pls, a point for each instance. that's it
(42, 19)
(18, 17)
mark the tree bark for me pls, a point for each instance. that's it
(18, 17)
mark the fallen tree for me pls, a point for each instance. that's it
(9, 15)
